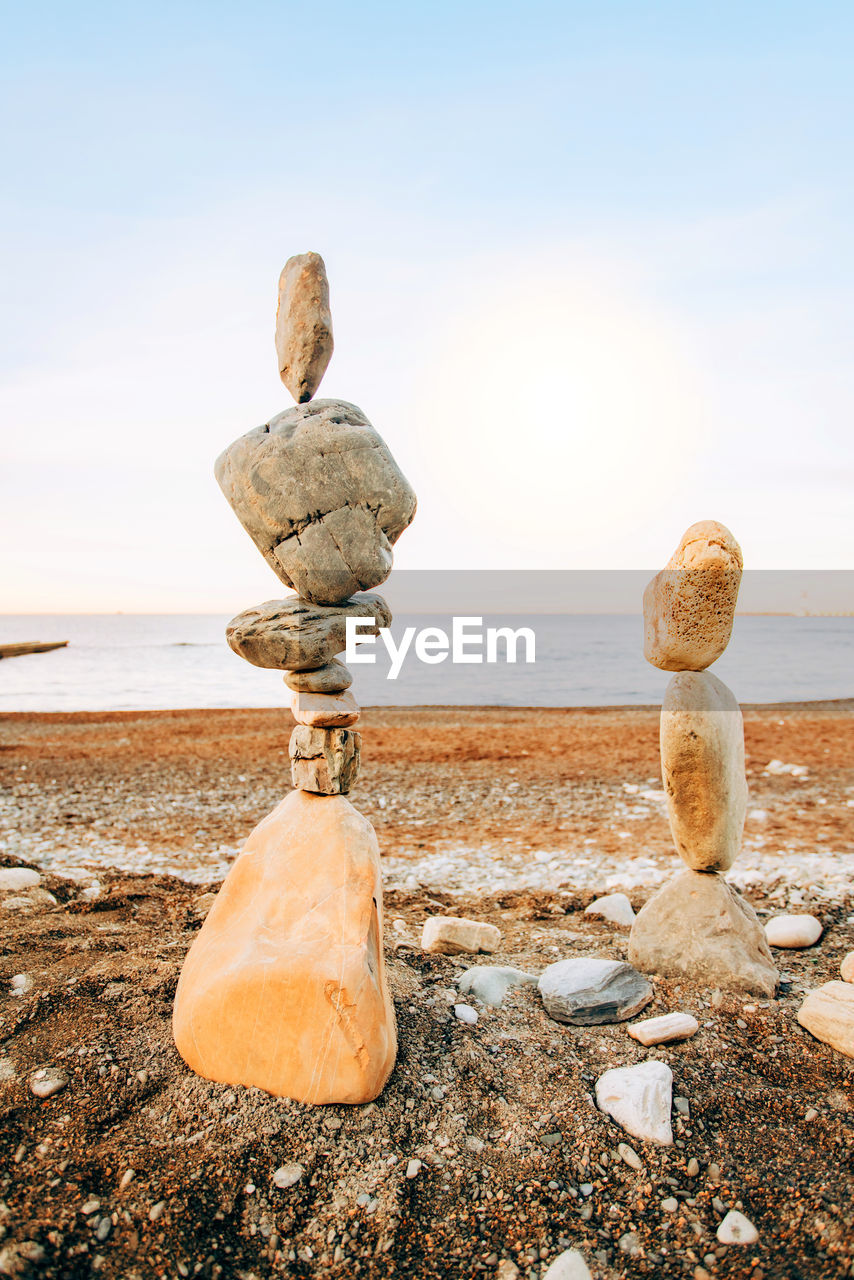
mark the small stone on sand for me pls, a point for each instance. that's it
(48, 1081)
(615, 907)
(450, 935)
(665, 1028)
(639, 1099)
(793, 931)
(736, 1229)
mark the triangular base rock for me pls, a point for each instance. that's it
(698, 927)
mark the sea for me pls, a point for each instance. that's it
(128, 662)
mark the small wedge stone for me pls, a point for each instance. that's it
(639, 1099)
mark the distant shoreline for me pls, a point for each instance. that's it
(819, 706)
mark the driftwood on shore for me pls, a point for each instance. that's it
(33, 646)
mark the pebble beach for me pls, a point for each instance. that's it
(486, 1154)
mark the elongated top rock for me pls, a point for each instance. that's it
(303, 325)
(689, 606)
(320, 495)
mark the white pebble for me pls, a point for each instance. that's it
(47, 1082)
(793, 931)
(629, 1156)
(614, 907)
(466, 1013)
(413, 1168)
(287, 1176)
(736, 1229)
(13, 879)
(569, 1265)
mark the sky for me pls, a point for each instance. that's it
(590, 267)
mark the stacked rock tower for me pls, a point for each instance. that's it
(697, 925)
(284, 988)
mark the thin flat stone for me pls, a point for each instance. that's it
(589, 991)
(303, 325)
(295, 635)
(333, 677)
(664, 1029)
(325, 710)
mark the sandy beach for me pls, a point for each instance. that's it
(518, 817)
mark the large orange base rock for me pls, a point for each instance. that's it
(284, 987)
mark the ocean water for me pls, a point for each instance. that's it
(117, 662)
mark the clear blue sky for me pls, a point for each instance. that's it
(591, 278)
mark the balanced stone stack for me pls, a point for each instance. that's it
(284, 988)
(697, 925)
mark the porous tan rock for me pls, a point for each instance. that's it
(303, 325)
(450, 935)
(333, 677)
(828, 1014)
(284, 987)
(698, 927)
(702, 764)
(325, 761)
(324, 710)
(294, 635)
(689, 606)
(319, 493)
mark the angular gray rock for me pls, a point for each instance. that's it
(689, 606)
(333, 677)
(698, 927)
(702, 764)
(303, 325)
(321, 497)
(588, 991)
(325, 761)
(490, 983)
(292, 635)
